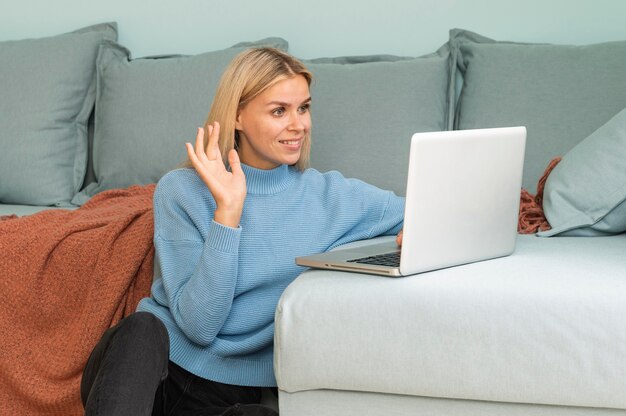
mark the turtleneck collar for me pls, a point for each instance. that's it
(268, 182)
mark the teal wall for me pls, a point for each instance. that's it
(319, 27)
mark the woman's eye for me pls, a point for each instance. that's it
(278, 111)
(305, 108)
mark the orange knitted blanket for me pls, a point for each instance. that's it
(531, 217)
(65, 277)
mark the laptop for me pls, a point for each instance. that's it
(462, 205)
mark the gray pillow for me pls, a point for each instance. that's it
(561, 93)
(365, 110)
(585, 194)
(47, 93)
(146, 109)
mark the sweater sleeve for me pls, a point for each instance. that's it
(392, 219)
(373, 211)
(198, 259)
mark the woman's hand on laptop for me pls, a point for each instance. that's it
(399, 238)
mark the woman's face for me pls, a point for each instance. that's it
(272, 126)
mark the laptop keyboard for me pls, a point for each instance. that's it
(386, 259)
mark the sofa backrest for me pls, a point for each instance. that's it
(47, 91)
(561, 93)
(364, 109)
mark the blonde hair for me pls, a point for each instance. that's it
(248, 75)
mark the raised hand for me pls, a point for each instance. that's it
(227, 187)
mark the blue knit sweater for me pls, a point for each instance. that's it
(217, 287)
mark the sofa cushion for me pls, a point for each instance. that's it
(561, 93)
(585, 194)
(146, 109)
(544, 326)
(48, 87)
(22, 210)
(366, 108)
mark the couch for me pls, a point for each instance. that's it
(539, 332)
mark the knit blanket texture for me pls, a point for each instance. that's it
(67, 276)
(531, 216)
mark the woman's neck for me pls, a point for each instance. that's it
(266, 181)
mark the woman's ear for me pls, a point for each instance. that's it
(238, 125)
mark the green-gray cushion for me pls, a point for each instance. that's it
(47, 93)
(146, 109)
(365, 110)
(585, 194)
(561, 93)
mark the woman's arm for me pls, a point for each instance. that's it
(373, 211)
(198, 257)
(199, 268)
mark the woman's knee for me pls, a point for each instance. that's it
(144, 324)
(144, 330)
(136, 336)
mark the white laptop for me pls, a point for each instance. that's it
(462, 205)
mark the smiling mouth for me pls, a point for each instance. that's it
(290, 142)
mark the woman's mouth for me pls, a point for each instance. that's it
(293, 144)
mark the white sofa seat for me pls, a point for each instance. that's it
(546, 325)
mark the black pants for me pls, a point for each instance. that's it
(129, 373)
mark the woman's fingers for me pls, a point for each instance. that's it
(207, 161)
(193, 157)
(199, 143)
(235, 163)
(399, 238)
(233, 159)
(213, 149)
(191, 153)
(204, 173)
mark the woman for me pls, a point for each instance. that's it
(227, 230)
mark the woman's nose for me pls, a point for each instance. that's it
(296, 122)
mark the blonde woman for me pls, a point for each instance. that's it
(227, 230)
